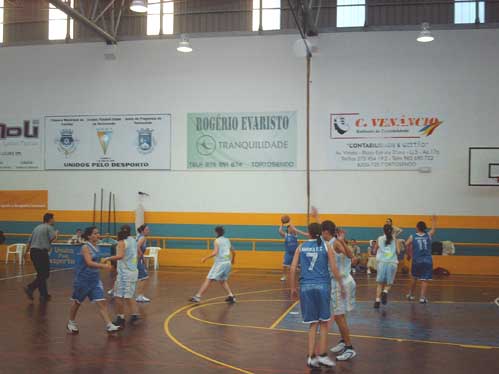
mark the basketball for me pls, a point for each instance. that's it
(285, 219)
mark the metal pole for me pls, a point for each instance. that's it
(309, 58)
(161, 17)
(109, 215)
(95, 203)
(101, 207)
(477, 13)
(260, 27)
(114, 212)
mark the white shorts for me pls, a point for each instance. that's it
(124, 289)
(341, 305)
(220, 271)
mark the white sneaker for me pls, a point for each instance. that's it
(368, 271)
(423, 300)
(409, 297)
(195, 299)
(340, 347)
(142, 299)
(354, 271)
(347, 355)
(313, 362)
(325, 361)
(112, 328)
(110, 292)
(72, 327)
(283, 278)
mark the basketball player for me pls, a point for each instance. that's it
(387, 262)
(224, 259)
(87, 281)
(422, 262)
(126, 279)
(314, 256)
(341, 304)
(290, 235)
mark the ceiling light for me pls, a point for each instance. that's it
(138, 6)
(184, 45)
(425, 34)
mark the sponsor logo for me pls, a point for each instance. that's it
(66, 143)
(340, 124)
(145, 141)
(354, 125)
(104, 136)
(26, 130)
(206, 145)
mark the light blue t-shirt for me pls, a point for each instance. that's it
(224, 247)
(127, 266)
(387, 252)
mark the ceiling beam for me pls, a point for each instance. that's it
(84, 20)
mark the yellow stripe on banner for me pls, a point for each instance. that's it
(253, 219)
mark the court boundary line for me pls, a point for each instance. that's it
(399, 340)
(166, 327)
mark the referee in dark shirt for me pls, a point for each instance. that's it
(39, 245)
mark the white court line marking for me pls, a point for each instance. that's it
(26, 275)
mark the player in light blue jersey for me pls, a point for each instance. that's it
(224, 259)
(387, 262)
(422, 261)
(126, 279)
(87, 281)
(290, 235)
(341, 304)
(316, 259)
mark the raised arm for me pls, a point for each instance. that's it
(281, 231)
(433, 225)
(340, 246)
(293, 228)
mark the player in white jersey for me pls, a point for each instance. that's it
(224, 259)
(126, 280)
(387, 260)
(339, 304)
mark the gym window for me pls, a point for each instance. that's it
(154, 14)
(271, 14)
(350, 13)
(465, 11)
(58, 23)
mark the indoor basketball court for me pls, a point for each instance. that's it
(249, 186)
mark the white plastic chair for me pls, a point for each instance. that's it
(152, 252)
(14, 249)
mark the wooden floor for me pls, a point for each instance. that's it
(458, 332)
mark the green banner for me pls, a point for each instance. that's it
(241, 140)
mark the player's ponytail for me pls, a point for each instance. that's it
(314, 229)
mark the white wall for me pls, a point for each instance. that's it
(457, 77)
